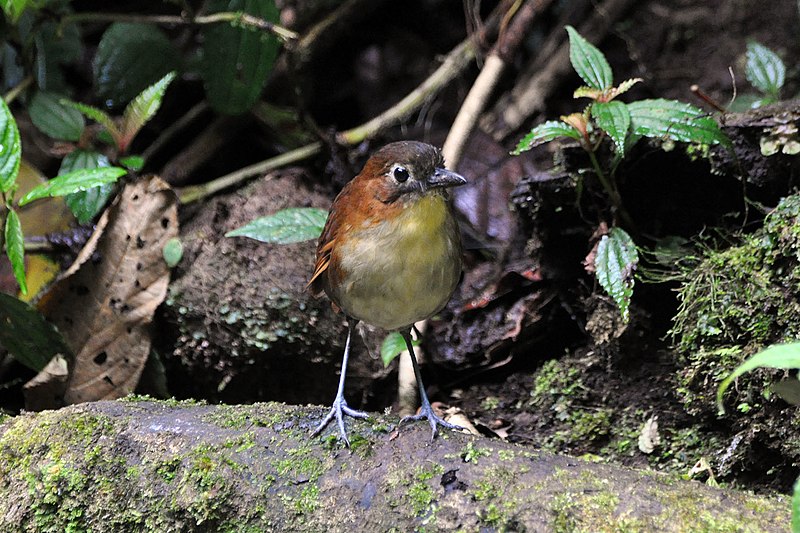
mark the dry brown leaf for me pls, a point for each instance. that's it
(105, 302)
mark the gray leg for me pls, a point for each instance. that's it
(340, 407)
(425, 405)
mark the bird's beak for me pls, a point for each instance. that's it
(442, 177)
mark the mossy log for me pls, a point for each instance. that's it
(166, 466)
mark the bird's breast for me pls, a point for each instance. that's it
(395, 272)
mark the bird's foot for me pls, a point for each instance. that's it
(426, 411)
(338, 410)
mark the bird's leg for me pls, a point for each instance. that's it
(340, 407)
(426, 411)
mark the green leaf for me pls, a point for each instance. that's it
(615, 263)
(764, 69)
(589, 62)
(295, 224)
(25, 333)
(775, 356)
(15, 248)
(78, 180)
(173, 251)
(143, 107)
(55, 46)
(99, 116)
(14, 8)
(54, 118)
(613, 118)
(392, 346)
(132, 162)
(86, 204)
(10, 150)
(130, 57)
(237, 60)
(546, 132)
(674, 120)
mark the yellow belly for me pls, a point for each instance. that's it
(399, 272)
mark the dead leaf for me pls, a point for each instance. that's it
(104, 303)
(649, 438)
(47, 387)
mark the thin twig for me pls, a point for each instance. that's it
(175, 128)
(198, 192)
(502, 53)
(12, 94)
(237, 17)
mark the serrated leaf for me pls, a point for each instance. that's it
(15, 248)
(615, 119)
(674, 120)
(9, 148)
(25, 333)
(99, 116)
(588, 61)
(624, 87)
(295, 224)
(237, 60)
(615, 263)
(173, 251)
(54, 118)
(546, 132)
(764, 69)
(129, 58)
(86, 204)
(392, 346)
(143, 107)
(776, 356)
(588, 92)
(78, 180)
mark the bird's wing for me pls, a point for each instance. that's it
(315, 284)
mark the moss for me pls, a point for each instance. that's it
(471, 454)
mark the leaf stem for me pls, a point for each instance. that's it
(284, 34)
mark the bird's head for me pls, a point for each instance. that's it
(407, 170)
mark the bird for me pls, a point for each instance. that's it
(390, 255)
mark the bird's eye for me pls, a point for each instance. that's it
(400, 174)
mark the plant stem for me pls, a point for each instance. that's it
(284, 34)
(611, 189)
(12, 94)
(198, 192)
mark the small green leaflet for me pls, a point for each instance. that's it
(78, 180)
(392, 346)
(615, 262)
(25, 333)
(54, 118)
(671, 119)
(614, 118)
(775, 356)
(144, 106)
(173, 251)
(765, 69)
(132, 162)
(9, 148)
(589, 62)
(15, 248)
(295, 224)
(546, 132)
